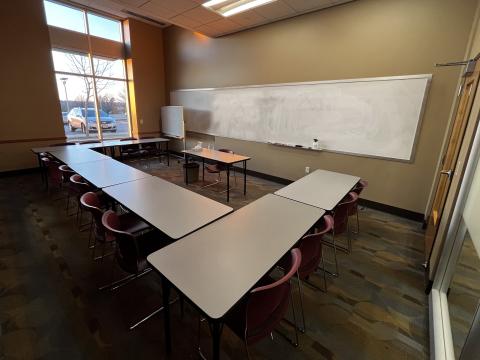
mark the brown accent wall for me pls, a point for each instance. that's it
(145, 65)
(29, 106)
(366, 38)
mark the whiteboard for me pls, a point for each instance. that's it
(172, 121)
(376, 117)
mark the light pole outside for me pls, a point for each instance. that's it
(64, 81)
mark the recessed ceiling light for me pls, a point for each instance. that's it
(231, 7)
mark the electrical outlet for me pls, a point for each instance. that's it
(307, 169)
(141, 121)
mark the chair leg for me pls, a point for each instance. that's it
(155, 312)
(300, 291)
(294, 343)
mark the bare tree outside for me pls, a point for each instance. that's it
(81, 65)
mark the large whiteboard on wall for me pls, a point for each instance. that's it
(378, 117)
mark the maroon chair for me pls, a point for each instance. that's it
(78, 187)
(131, 252)
(312, 255)
(218, 167)
(130, 150)
(361, 185)
(66, 174)
(89, 142)
(93, 203)
(340, 218)
(258, 314)
(54, 175)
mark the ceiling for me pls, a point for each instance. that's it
(191, 15)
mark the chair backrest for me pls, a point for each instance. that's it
(127, 254)
(361, 185)
(63, 144)
(66, 172)
(128, 138)
(311, 248)
(53, 171)
(226, 151)
(91, 202)
(341, 212)
(79, 184)
(268, 304)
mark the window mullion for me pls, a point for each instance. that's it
(90, 57)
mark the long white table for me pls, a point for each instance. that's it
(217, 265)
(107, 172)
(71, 155)
(321, 188)
(168, 207)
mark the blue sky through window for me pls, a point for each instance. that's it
(69, 18)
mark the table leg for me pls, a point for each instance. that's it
(203, 169)
(216, 328)
(186, 169)
(166, 315)
(40, 167)
(244, 177)
(168, 154)
(228, 182)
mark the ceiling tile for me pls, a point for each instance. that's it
(178, 6)
(222, 26)
(305, 5)
(275, 10)
(134, 3)
(202, 15)
(248, 18)
(184, 21)
(153, 8)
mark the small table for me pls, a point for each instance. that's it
(323, 189)
(217, 265)
(75, 154)
(170, 208)
(107, 172)
(225, 158)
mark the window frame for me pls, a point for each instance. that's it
(91, 55)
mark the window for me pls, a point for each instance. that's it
(92, 89)
(105, 28)
(65, 17)
(77, 87)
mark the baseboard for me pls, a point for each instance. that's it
(18, 172)
(408, 214)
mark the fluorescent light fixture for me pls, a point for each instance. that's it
(244, 6)
(213, 3)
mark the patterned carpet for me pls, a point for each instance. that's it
(50, 307)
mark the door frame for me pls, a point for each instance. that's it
(455, 181)
(441, 342)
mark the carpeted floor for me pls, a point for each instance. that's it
(50, 307)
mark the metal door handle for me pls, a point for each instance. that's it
(447, 172)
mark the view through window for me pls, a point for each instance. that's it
(92, 89)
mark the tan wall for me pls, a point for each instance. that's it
(146, 68)
(29, 107)
(366, 38)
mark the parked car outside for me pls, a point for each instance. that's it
(78, 120)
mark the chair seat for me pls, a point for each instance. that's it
(214, 169)
(132, 224)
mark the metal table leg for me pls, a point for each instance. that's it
(244, 177)
(186, 169)
(166, 312)
(168, 153)
(216, 327)
(228, 182)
